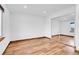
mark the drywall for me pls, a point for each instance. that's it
(27, 26)
(77, 28)
(66, 27)
(62, 12)
(61, 24)
(6, 30)
(47, 28)
(0, 20)
(55, 26)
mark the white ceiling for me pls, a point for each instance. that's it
(67, 17)
(39, 9)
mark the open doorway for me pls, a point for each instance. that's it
(67, 29)
(63, 29)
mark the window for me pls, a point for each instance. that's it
(72, 27)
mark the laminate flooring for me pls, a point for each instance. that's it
(42, 46)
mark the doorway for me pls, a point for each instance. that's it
(63, 29)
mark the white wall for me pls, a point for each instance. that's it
(28, 26)
(24, 26)
(77, 28)
(55, 27)
(0, 20)
(66, 27)
(62, 12)
(21, 26)
(61, 27)
(61, 24)
(47, 28)
(6, 30)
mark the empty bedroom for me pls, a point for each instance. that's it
(38, 29)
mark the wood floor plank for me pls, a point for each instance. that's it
(42, 46)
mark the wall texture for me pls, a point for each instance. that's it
(55, 27)
(6, 30)
(27, 26)
(66, 27)
(77, 29)
(0, 20)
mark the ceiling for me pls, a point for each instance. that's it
(38, 9)
(67, 17)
